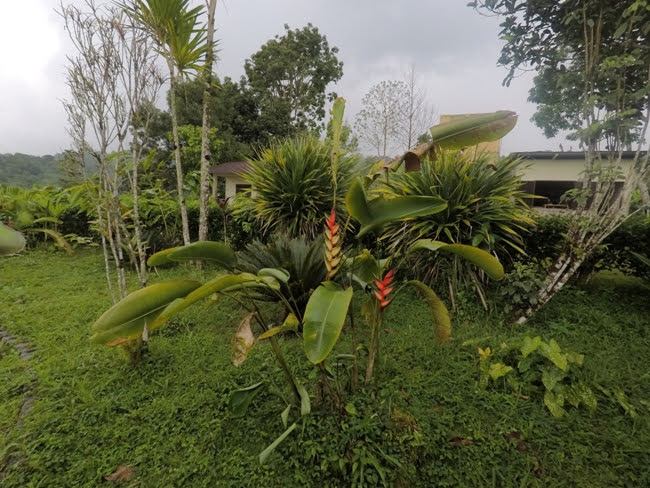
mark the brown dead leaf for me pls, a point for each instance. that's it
(243, 341)
(120, 475)
(460, 441)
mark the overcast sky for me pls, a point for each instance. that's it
(454, 49)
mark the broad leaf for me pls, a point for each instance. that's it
(216, 252)
(530, 345)
(291, 323)
(323, 320)
(222, 283)
(11, 241)
(553, 353)
(267, 452)
(372, 214)
(555, 403)
(242, 341)
(161, 257)
(551, 376)
(441, 320)
(125, 320)
(473, 129)
(476, 256)
(240, 399)
(305, 403)
(497, 370)
(279, 274)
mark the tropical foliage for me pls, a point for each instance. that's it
(293, 185)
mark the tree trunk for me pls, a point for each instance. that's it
(177, 155)
(205, 132)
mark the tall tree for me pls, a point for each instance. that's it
(173, 25)
(205, 126)
(417, 114)
(378, 122)
(290, 74)
(593, 79)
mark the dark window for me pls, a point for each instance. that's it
(242, 188)
(551, 192)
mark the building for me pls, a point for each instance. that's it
(231, 173)
(549, 175)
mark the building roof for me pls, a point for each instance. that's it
(231, 168)
(567, 154)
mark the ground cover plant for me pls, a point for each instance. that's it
(431, 424)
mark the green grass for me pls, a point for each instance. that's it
(429, 424)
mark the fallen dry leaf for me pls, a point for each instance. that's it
(120, 475)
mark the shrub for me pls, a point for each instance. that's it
(292, 183)
(485, 208)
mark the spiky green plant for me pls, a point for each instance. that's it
(302, 259)
(485, 207)
(292, 185)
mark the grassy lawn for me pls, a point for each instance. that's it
(428, 422)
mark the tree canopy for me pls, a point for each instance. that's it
(289, 76)
(597, 49)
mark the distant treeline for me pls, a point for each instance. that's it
(25, 170)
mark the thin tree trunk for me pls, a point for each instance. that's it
(205, 132)
(177, 156)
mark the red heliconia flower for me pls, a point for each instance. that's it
(10, 224)
(383, 289)
(332, 245)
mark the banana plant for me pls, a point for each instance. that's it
(455, 134)
(11, 241)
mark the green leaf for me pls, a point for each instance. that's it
(551, 376)
(279, 274)
(240, 399)
(216, 252)
(285, 416)
(476, 256)
(222, 283)
(379, 211)
(350, 408)
(497, 370)
(554, 402)
(530, 345)
(441, 320)
(553, 353)
(473, 129)
(323, 320)
(291, 323)
(11, 241)
(366, 267)
(161, 257)
(305, 403)
(264, 455)
(125, 320)
(641, 258)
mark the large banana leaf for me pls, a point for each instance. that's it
(323, 320)
(456, 134)
(441, 320)
(216, 252)
(372, 214)
(11, 241)
(222, 283)
(473, 129)
(125, 320)
(479, 257)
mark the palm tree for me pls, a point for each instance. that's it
(173, 26)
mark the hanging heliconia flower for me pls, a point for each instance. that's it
(384, 289)
(332, 245)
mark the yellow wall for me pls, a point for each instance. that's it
(558, 169)
(231, 181)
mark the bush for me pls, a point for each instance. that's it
(547, 239)
(293, 186)
(486, 208)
